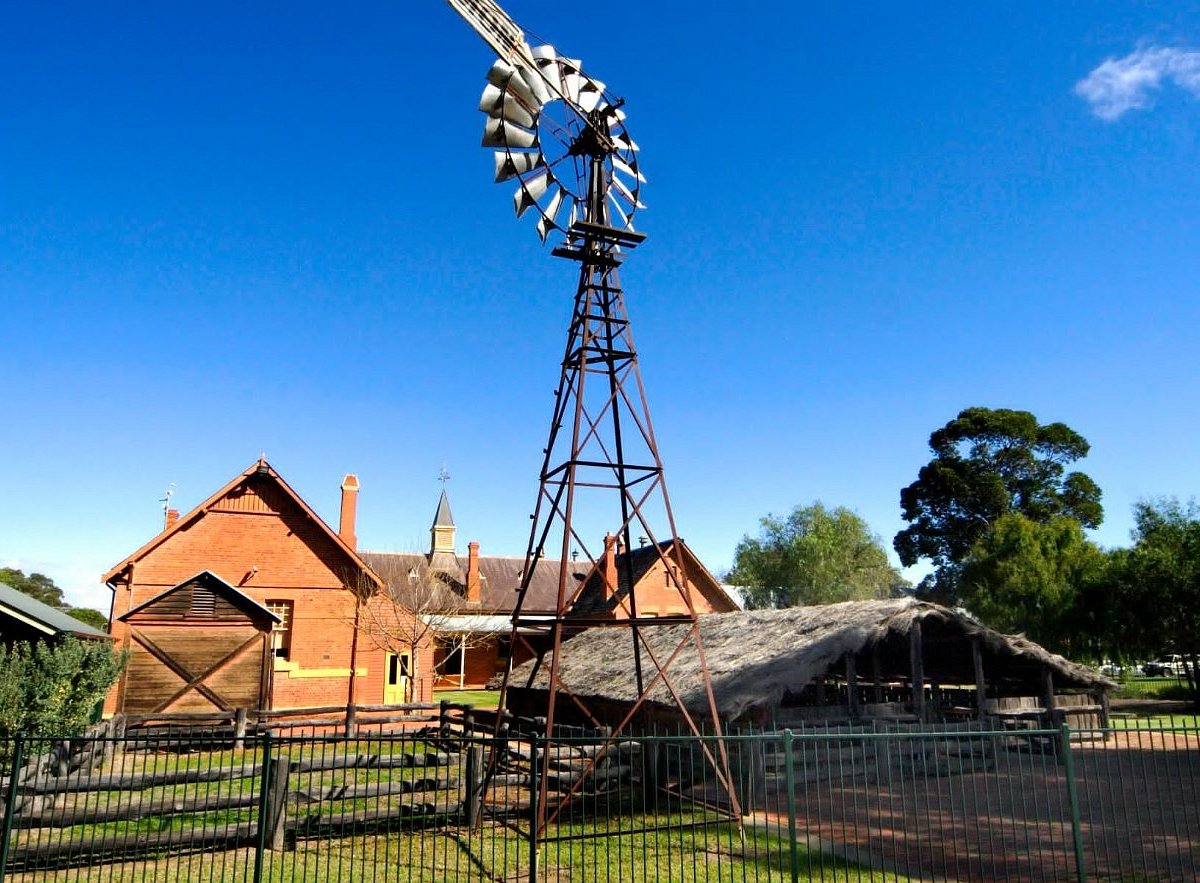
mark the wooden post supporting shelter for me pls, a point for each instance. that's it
(852, 687)
(916, 658)
(876, 674)
(1048, 696)
(980, 679)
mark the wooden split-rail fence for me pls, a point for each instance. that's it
(140, 786)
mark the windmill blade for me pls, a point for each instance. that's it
(509, 78)
(621, 166)
(496, 102)
(572, 79)
(498, 133)
(547, 222)
(625, 192)
(509, 165)
(616, 207)
(531, 190)
(537, 84)
(590, 94)
(624, 142)
(544, 55)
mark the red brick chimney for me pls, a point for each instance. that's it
(610, 566)
(474, 595)
(172, 515)
(349, 511)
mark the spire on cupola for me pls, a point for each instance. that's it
(443, 529)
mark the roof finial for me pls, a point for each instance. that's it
(443, 476)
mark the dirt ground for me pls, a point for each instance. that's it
(1007, 815)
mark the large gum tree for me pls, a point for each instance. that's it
(988, 463)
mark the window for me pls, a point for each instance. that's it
(281, 632)
(397, 668)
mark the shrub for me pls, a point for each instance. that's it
(51, 690)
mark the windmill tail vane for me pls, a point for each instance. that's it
(496, 28)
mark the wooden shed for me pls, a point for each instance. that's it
(25, 619)
(176, 666)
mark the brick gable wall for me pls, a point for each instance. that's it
(259, 540)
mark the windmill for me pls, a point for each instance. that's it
(560, 136)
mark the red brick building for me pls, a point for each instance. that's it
(250, 599)
(473, 629)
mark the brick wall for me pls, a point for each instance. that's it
(277, 553)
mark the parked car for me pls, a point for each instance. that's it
(1167, 667)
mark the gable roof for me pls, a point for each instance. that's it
(41, 616)
(206, 577)
(755, 657)
(263, 469)
(499, 578)
(636, 564)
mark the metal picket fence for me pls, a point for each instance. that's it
(837, 803)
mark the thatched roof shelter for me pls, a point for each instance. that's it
(758, 659)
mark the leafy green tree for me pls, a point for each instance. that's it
(814, 556)
(52, 689)
(94, 618)
(988, 463)
(1156, 584)
(35, 585)
(40, 586)
(1029, 577)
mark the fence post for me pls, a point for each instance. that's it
(351, 721)
(1073, 797)
(790, 778)
(534, 789)
(474, 793)
(10, 802)
(277, 803)
(264, 794)
(240, 717)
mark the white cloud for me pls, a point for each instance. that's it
(1120, 85)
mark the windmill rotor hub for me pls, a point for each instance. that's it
(560, 136)
(593, 140)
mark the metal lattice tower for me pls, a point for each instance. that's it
(561, 136)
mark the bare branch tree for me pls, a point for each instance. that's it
(419, 606)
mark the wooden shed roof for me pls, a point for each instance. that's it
(756, 657)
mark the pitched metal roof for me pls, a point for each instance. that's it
(499, 578)
(634, 565)
(43, 617)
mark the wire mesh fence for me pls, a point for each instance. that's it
(837, 803)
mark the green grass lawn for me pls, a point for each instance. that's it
(478, 698)
(716, 852)
(1151, 720)
(1152, 688)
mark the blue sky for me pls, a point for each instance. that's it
(234, 228)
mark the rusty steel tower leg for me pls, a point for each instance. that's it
(602, 476)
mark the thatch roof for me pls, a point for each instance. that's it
(756, 657)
